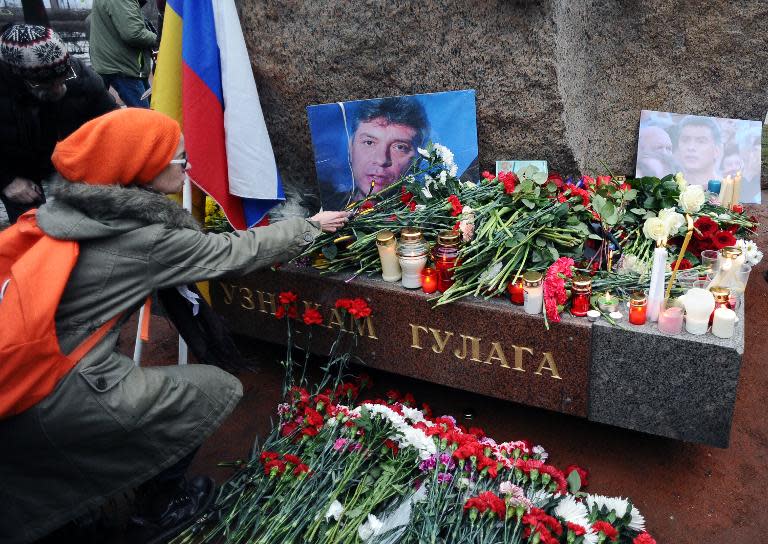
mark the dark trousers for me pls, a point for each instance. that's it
(14, 209)
(129, 89)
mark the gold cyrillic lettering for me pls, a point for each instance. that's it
(440, 343)
(552, 367)
(498, 354)
(264, 299)
(247, 297)
(519, 350)
(415, 340)
(475, 349)
(229, 291)
(336, 319)
(362, 324)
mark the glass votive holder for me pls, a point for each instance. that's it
(685, 278)
(701, 284)
(709, 260)
(671, 319)
(429, 280)
(739, 286)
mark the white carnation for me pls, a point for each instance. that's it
(334, 511)
(443, 177)
(423, 152)
(426, 192)
(371, 527)
(692, 198)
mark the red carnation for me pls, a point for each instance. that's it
(312, 317)
(281, 312)
(723, 238)
(405, 196)
(583, 473)
(705, 228)
(576, 529)
(367, 205)
(685, 264)
(456, 205)
(358, 308)
(287, 297)
(292, 459)
(392, 445)
(607, 529)
(300, 469)
(510, 180)
(644, 538)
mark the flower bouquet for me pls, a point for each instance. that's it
(338, 469)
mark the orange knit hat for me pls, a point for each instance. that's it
(129, 145)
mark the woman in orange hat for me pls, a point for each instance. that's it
(109, 426)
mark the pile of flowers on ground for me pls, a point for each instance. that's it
(511, 223)
(337, 469)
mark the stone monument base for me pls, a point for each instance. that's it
(633, 377)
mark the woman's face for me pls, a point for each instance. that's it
(171, 179)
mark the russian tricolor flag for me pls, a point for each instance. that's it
(204, 80)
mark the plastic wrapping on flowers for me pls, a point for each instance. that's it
(339, 469)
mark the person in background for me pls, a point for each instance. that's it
(109, 425)
(732, 162)
(121, 48)
(45, 95)
(698, 149)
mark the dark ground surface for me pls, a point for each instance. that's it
(688, 493)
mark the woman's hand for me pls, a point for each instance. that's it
(331, 221)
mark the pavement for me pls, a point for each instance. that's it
(688, 493)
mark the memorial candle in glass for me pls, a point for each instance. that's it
(429, 280)
(446, 255)
(533, 296)
(722, 300)
(390, 264)
(516, 291)
(671, 320)
(582, 289)
(638, 308)
(412, 252)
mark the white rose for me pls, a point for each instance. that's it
(680, 180)
(692, 198)
(672, 219)
(655, 229)
(334, 511)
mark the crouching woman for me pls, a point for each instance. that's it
(108, 426)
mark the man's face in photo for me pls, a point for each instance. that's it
(696, 148)
(380, 153)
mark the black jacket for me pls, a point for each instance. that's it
(29, 129)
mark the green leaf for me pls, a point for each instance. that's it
(330, 251)
(541, 242)
(555, 254)
(594, 236)
(649, 203)
(574, 481)
(528, 204)
(631, 194)
(638, 211)
(579, 208)
(598, 202)
(539, 177)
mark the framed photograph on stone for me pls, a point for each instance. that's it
(519, 166)
(364, 143)
(702, 148)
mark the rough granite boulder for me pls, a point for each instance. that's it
(563, 80)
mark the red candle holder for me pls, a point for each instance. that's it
(638, 308)
(429, 280)
(516, 292)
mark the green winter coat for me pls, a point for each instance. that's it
(110, 425)
(120, 42)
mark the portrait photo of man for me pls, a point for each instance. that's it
(701, 148)
(364, 146)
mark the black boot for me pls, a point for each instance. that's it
(190, 500)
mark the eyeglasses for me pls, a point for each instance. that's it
(70, 75)
(185, 164)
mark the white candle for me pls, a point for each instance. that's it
(390, 264)
(699, 304)
(533, 299)
(724, 323)
(412, 267)
(726, 192)
(656, 291)
(736, 195)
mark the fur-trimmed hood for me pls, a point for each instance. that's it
(78, 211)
